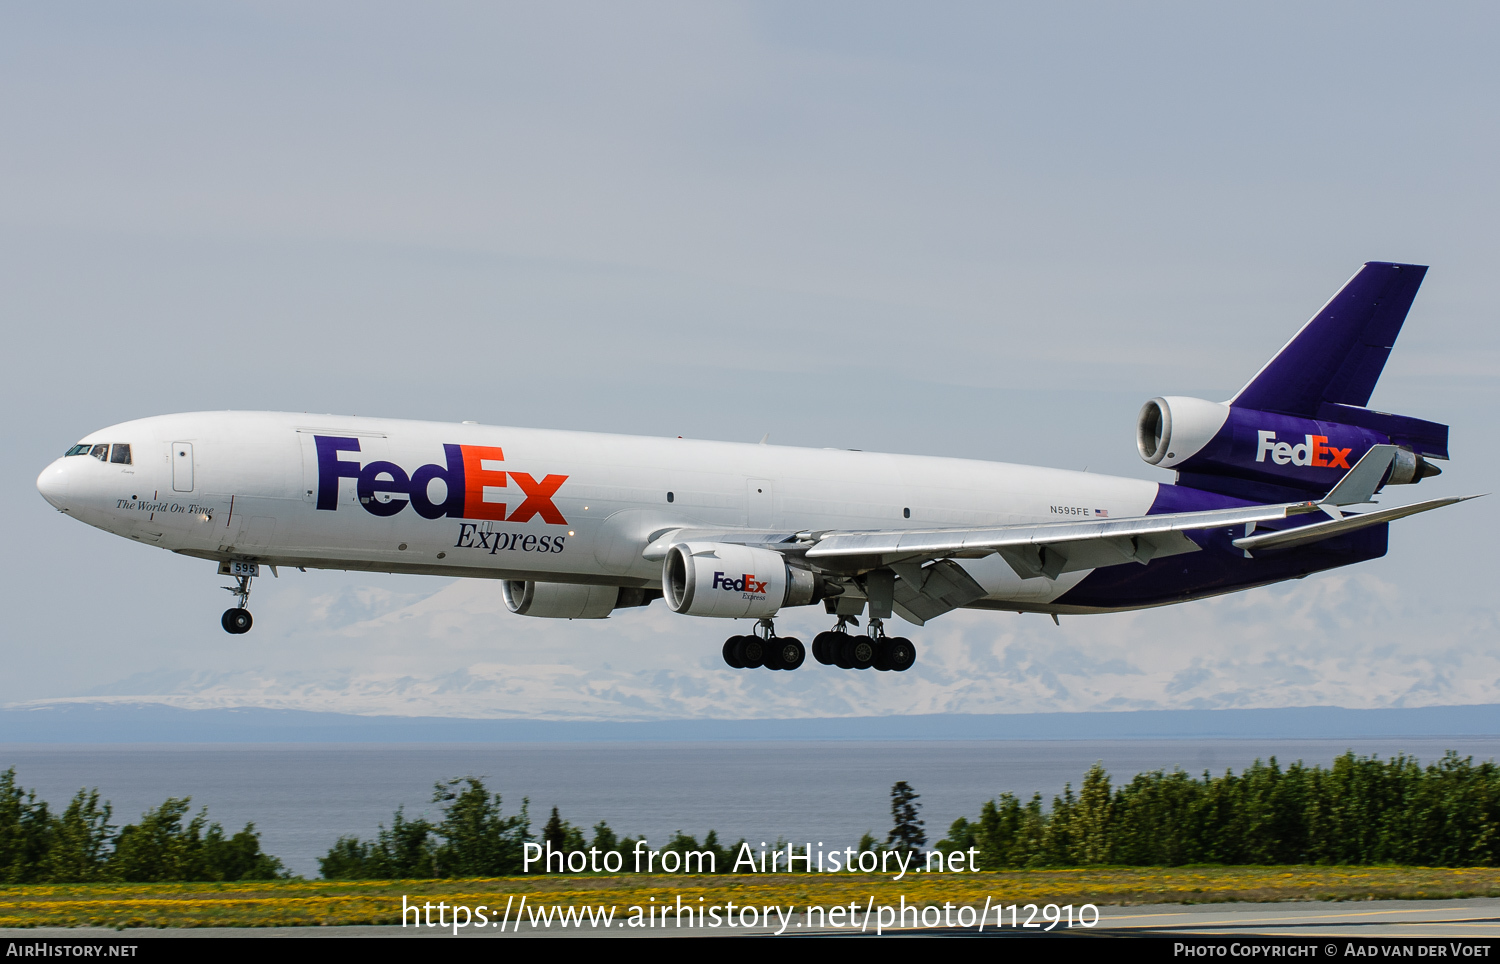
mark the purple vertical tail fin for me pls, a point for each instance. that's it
(1338, 356)
(1301, 424)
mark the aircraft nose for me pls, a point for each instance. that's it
(53, 483)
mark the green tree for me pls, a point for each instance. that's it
(1358, 810)
(1057, 837)
(348, 859)
(164, 848)
(474, 839)
(562, 836)
(604, 838)
(1090, 843)
(553, 832)
(404, 851)
(1009, 834)
(239, 857)
(80, 842)
(1155, 819)
(723, 856)
(25, 826)
(161, 847)
(907, 833)
(961, 836)
(478, 839)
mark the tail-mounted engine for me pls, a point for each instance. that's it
(719, 579)
(1214, 444)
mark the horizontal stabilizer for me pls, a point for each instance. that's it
(1359, 484)
(1418, 434)
(1318, 531)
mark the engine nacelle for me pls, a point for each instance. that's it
(1210, 442)
(559, 600)
(729, 581)
(1172, 430)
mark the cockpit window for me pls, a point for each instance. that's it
(121, 454)
(100, 452)
(78, 450)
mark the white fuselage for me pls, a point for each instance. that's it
(247, 486)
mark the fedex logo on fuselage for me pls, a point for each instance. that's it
(471, 475)
(746, 583)
(1314, 451)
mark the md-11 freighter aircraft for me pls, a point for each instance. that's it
(578, 525)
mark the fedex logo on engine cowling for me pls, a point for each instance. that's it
(1314, 451)
(746, 583)
(474, 483)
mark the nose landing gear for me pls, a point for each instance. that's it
(238, 620)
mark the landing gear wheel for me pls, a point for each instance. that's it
(857, 653)
(773, 654)
(825, 647)
(750, 651)
(838, 649)
(236, 621)
(882, 659)
(902, 654)
(790, 652)
(729, 653)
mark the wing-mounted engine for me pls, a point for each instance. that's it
(1300, 423)
(733, 581)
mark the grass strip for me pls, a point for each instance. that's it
(329, 903)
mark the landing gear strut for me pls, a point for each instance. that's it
(764, 648)
(237, 620)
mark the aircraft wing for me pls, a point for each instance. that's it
(1044, 549)
(925, 582)
(1050, 549)
(1053, 548)
(1040, 549)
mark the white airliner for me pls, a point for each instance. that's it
(578, 525)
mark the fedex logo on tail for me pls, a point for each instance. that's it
(746, 583)
(1314, 451)
(476, 486)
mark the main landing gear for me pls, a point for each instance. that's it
(841, 648)
(764, 648)
(237, 620)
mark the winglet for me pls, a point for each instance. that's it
(1359, 483)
